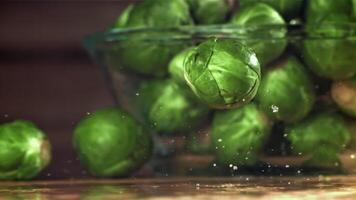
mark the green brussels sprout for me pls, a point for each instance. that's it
(209, 11)
(168, 108)
(287, 8)
(344, 94)
(267, 45)
(319, 9)
(176, 66)
(329, 51)
(223, 73)
(148, 52)
(159, 14)
(111, 143)
(322, 137)
(24, 150)
(286, 92)
(122, 20)
(238, 135)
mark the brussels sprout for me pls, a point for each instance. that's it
(239, 134)
(111, 143)
(329, 51)
(209, 11)
(149, 52)
(24, 150)
(223, 73)
(268, 45)
(168, 108)
(322, 137)
(287, 8)
(176, 66)
(344, 94)
(319, 9)
(159, 14)
(286, 93)
(121, 21)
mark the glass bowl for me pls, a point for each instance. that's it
(125, 55)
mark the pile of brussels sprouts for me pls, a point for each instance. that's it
(266, 93)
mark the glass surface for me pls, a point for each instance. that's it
(189, 151)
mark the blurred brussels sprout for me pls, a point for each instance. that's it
(329, 51)
(223, 73)
(287, 8)
(24, 150)
(238, 135)
(319, 9)
(159, 14)
(148, 52)
(286, 92)
(322, 137)
(344, 94)
(209, 11)
(121, 21)
(268, 45)
(168, 108)
(111, 143)
(176, 66)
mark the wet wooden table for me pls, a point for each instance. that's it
(341, 187)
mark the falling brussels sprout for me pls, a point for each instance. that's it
(329, 50)
(24, 150)
(322, 137)
(176, 66)
(286, 92)
(209, 11)
(121, 21)
(223, 73)
(168, 108)
(287, 8)
(268, 45)
(344, 94)
(111, 143)
(319, 9)
(238, 135)
(149, 52)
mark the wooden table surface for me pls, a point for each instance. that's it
(333, 187)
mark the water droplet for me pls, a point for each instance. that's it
(287, 166)
(235, 168)
(298, 172)
(88, 113)
(285, 135)
(230, 165)
(247, 179)
(137, 94)
(274, 108)
(352, 156)
(214, 165)
(219, 140)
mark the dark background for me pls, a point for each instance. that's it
(46, 75)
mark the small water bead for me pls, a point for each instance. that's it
(219, 140)
(214, 164)
(137, 94)
(352, 156)
(274, 108)
(235, 168)
(287, 166)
